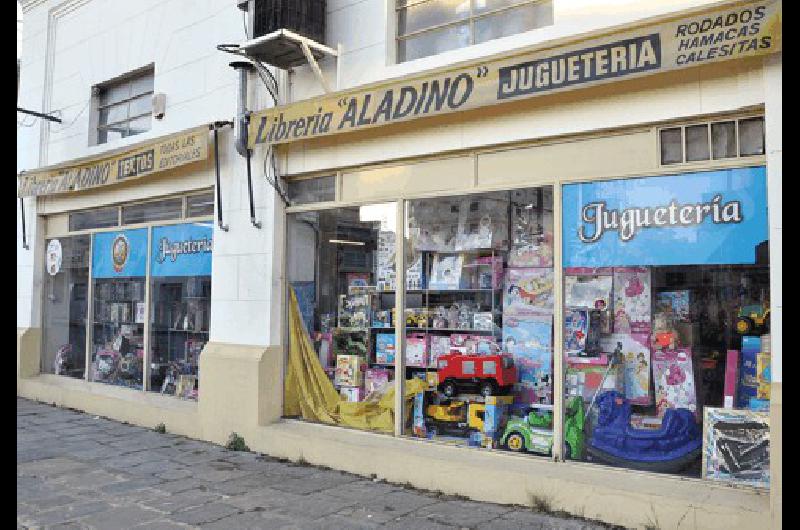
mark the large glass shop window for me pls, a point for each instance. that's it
(180, 271)
(666, 324)
(335, 267)
(66, 284)
(119, 266)
(479, 319)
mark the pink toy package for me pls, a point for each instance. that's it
(673, 376)
(375, 379)
(496, 263)
(416, 350)
(631, 300)
(731, 378)
(439, 345)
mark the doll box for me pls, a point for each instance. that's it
(416, 350)
(384, 348)
(348, 370)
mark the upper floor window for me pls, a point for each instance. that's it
(717, 140)
(428, 27)
(123, 107)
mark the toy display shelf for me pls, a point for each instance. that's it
(407, 367)
(444, 330)
(416, 291)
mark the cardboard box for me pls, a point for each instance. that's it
(635, 364)
(751, 344)
(673, 379)
(632, 312)
(731, 378)
(348, 370)
(416, 350)
(350, 393)
(763, 375)
(384, 348)
(748, 383)
(375, 379)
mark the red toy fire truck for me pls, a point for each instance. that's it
(489, 374)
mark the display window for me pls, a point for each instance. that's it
(180, 283)
(479, 318)
(66, 302)
(666, 324)
(119, 267)
(138, 299)
(338, 370)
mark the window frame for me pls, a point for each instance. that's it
(184, 217)
(147, 225)
(709, 123)
(95, 125)
(401, 5)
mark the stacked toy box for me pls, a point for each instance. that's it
(748, 370)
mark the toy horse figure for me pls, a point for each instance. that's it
(668, 449)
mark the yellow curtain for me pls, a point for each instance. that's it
(309, 393)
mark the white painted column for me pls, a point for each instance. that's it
(774, 147)
(773, 103)
(246, 263)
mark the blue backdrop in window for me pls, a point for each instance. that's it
(181, 250)
(131, 256)
(709, 242)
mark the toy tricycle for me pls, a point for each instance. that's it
(753, 318)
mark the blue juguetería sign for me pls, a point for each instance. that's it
(120, 254)
(181, 250)
(708, 217)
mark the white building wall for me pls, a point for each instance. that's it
(92, 41)
(69, 46)
(366, 31)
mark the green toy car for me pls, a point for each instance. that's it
(534, 432)
(753, 318)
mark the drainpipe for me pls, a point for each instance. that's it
(240, 134)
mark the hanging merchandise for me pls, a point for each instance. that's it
(528, 292)
(581, 332)
(531, 228)
(632, 300)
(635, 364)
(483, 222)
(446, 271)
(673, 379)
(587, 291)
(529, 341)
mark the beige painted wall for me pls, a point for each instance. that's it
(668, 96)
(240, 392)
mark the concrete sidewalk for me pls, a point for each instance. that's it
(75, 470)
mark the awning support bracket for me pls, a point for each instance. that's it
(315, 66)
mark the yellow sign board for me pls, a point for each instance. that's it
(139, 161)
(741, 30)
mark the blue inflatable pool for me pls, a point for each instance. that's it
(669, 449)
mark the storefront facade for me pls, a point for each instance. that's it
(603, 235)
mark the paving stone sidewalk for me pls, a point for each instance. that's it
(76, 470)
